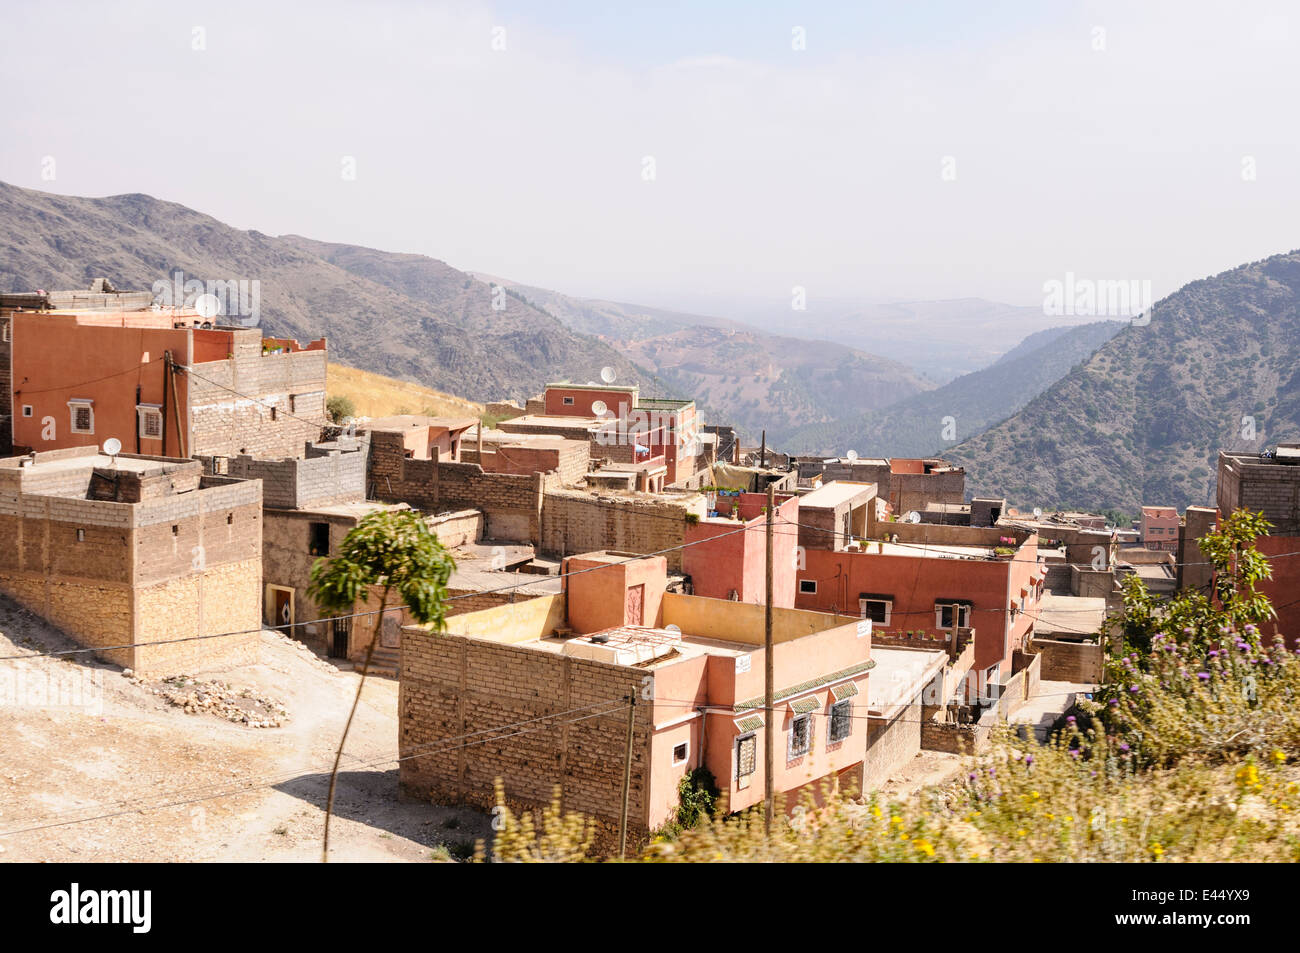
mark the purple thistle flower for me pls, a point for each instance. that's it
(1029, 759)
(1124, 747)
(1203, 676)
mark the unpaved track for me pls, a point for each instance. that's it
(128, 752)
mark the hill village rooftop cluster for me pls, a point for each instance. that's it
(607, 544)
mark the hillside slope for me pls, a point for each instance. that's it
(1142, 420)
(440, 331)
(915, 427)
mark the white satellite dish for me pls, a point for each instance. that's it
(112, 446)
(607, 375)
(912, 517)
(598, 408)
(207, 305)
(1038, 513)
(851, 455)
(673, 627)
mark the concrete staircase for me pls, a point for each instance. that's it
(384, 661)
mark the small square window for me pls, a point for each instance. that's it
(318, 539)
(680, 752)
(808, 586)
(176, 530)
(81, 535)
(841, 721)
(27, 410)
(801, 735)
(83, 416)
(877, 610)
(149, 417)
(746, 759)
(567, 401)
(230, 519)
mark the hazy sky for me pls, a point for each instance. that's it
(1104, 139)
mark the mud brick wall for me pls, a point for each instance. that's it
(453, 685)
(189, 563)
(891, 743)
(574, 522)
(1069, 661)
(219, 599)
(471, 600)
(231, 403)
(568, 461)
(459, 528)
(511, 503)
(1273, 489)
(320, 478)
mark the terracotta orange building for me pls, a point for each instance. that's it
(162, 383)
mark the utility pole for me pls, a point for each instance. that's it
(627, 777)
(762, 452)
(769, 716)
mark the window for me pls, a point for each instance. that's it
(808, 586)
(567, 401)
(293, 403)
(83, 416)
(274, 412)
(950, 614)
(680, 752)
(81, 535)
(149, 418)
(746, 759)
(318, 539)
(176, 530)
(27, 410)
(5, 333)
(841, 721)
(801, 735)
(876, 608)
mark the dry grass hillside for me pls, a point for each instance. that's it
(374, 395)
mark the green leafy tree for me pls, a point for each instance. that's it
(1192, 616)
(392, 551)
(340, 408)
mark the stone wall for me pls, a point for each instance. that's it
(891, 743)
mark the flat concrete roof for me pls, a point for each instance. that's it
(417, 421)
(1073, 614)
(899, 675)
(836, 492)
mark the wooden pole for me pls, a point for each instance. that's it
(627, 777)
(769, 716)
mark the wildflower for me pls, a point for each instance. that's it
(1279, 756)
(1157, 851)
(1203, 676)
(925, 847)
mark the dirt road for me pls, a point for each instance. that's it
(81, 741)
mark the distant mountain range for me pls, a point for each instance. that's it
(934, 421)
(1141, 421)
(406, 316)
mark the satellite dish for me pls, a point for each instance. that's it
(598, 408)
(1038, 513)
(673, 627)
(851, 455)
(912, 517)
(607, 375)
(207, 305)
(112, 446)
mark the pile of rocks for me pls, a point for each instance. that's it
(240, 705)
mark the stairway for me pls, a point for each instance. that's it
(384, 661)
